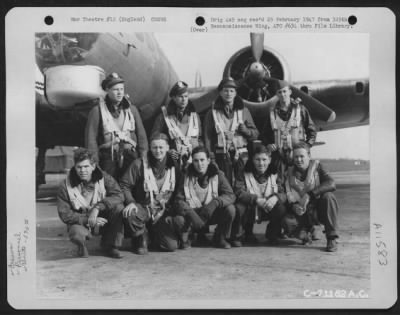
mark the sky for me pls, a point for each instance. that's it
(309, 56)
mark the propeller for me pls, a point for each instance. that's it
(256, 71)
(257, 45)
(316, 108)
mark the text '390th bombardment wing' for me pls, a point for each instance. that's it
(71, 67)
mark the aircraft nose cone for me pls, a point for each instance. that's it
(256, 69)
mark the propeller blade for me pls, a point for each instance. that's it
(315, 107)
(257, 45)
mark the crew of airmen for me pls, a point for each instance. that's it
(166, 193)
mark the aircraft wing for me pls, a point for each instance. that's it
(332, 104)
(203, 97)
(348, 99)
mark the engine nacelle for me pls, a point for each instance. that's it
(68, 85)
(244, 69)
(256, 90)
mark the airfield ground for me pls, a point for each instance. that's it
(258, 272)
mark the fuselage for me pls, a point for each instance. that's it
(136, 57)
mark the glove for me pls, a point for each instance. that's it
(212, 158)
(196, 221)
(272, 147)
(299, 210)
(174, 154)
(312, 195)
(244, 130)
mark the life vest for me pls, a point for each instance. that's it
(79, 202)
(110, 128)
(261, 190)
(159, 196)
(300, 188)
(228, 137)
(184, 143)
(287, 133)
(191, 191)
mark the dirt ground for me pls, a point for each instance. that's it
(254, 273)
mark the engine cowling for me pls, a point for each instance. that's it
(68, 85)
(255, 77)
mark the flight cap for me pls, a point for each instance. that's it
(111, 80)
(227, 82)
(179, 88)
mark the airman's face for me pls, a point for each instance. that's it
(116, 92)
(84, 169)
(228, 94)
(200, 162)
(261, 162)
(284, 95)
(301, 159)
(181, 100)
(159, 149)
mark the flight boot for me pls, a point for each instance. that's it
(114, 253)
(272, 239)
(184, 241)
(331, 245)
(139, 244)
(83, 251)
(236, 243)
(305, 238)
(220, 241)
(314, 234)
(250, 238)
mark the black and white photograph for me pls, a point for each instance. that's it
(171, 169)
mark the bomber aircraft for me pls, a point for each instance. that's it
(71, 66)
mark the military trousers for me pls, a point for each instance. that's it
(222, 217)
(112, 232)
(163, 235)
(246, 217)
(326, 208)
(111, 164)
(230, 166)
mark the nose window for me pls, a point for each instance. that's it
(359, 87)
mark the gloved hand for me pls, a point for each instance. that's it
(272, 147)
(212, 158)
(270, 203)
(312, 195)
(196, 221)
(174, 154)
(291, 197)
(244, 130)
(298, 209)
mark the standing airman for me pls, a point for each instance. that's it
(228, 128)
(180, 121)
(288, 122)
(114, 129)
